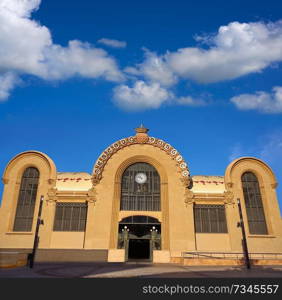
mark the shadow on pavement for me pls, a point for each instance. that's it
(137, 270)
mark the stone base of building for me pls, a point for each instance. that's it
(12, 259)
(223, 262)
(161, 256)
(116, 255)
(71, 255)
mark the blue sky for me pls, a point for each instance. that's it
(205, 76)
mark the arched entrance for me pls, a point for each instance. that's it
(139, 236)
(147, 197)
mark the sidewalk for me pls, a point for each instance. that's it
(141, 270)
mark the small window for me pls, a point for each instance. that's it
(253, 203)
(70, 216)
(210, 219)
(139, 220)
(26, 200)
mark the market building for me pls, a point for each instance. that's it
(140, 203)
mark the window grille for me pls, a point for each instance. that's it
(26, 200)
(145, 196)
(70, 216)
(253, 203)
(210, 219)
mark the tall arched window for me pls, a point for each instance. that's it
(26, 200)
(140, 188)
(253, 203)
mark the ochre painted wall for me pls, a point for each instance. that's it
(176, 215)
(67, 240)
(213, 242)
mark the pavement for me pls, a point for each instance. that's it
(137, 270)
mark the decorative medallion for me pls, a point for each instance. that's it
(91, 196)
(52, 195)
(189, 197)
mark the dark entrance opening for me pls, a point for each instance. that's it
(139, 236)
(139, 249)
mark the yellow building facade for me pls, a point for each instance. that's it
(139, 203)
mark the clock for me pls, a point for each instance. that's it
(140, 178)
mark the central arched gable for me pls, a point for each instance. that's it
(174, 180)
(141, 137)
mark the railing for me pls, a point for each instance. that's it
(231, 255)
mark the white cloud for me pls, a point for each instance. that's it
(79, 59)
(112, 43)
(26, 47)
(141, 96)
(190, 101)
(23, 50)
(262, 101)
(155, 69)
(7, 83)
(150, 95)
(236, 50)
(21, 8)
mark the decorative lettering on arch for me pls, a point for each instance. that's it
(132, 140)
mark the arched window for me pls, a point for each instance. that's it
(253, 203)
(140, 188)
(26, 200)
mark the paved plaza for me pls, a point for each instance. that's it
(137, 270)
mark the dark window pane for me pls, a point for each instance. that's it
(213, 220)
(140, 196)
(210, 219)
(26, 200)
(205, 219)
(70, 216)
(197, 218)
(253, 203)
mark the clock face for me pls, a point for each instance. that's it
(140, 178)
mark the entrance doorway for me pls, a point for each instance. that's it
(139, 236)
(139, 249)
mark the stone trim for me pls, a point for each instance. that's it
(133, 140)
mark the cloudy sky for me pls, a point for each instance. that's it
(205, 76)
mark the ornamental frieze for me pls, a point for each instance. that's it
(133, 140)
